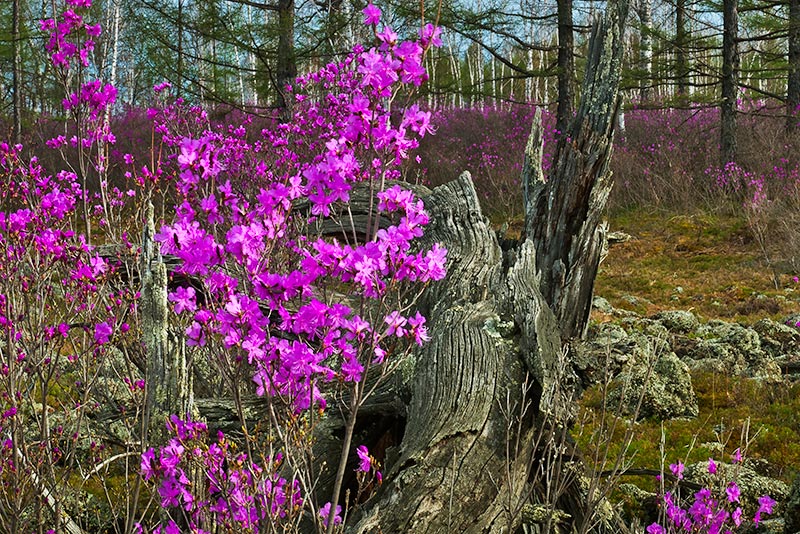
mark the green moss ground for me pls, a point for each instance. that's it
(708, 264)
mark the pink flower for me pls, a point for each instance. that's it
(736, 457)
(396, 324)
(765, 505)
(93, 31)
(677, 470)
(712, 466)
(364, 459)
(352, 369)
(372, 15)
(147, 463)
(102, 333)
(325, 511)
(737, 516)
(418, 328)
(184, 299)
(430, 35)
(733, 492)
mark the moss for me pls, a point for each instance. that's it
(701, 261)
(726, 405)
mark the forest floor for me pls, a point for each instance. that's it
(705, 263)
(710, 265)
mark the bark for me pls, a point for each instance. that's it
(565, 211)
(793, 84)
(645, 49)
(730, 81)
(286, 69)
(566, 66)
(179, 29)
(168, 371)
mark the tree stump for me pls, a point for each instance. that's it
(483, 451)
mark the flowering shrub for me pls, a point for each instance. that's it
(713, 509)
(274, 283)
(281, 305)
(490, 144)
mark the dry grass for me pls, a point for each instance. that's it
(706, 263)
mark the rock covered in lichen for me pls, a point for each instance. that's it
(679, 321)
(792, 508)
(664, 387)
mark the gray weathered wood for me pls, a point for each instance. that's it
(564, 215)
(168, 373)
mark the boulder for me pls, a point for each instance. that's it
(791, 514)
(776, 338)
(666, 390)
(602, 305)
(678, 321)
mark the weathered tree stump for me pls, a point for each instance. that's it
(465, 463)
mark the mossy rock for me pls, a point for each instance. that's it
(666, 391)
(777, 338)
(679, 321)
(792, 513)
(740, 338)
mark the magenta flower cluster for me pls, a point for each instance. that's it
(62, 48)
(236, 490)
(278, 293)
(713, 510)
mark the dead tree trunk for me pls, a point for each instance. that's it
(793, 81)
(730, 81)
(566, 66)
(168, 376)
(564, 211)
(16, 70)
(468, 462)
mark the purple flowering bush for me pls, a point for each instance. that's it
(281, 306)
(490, 144)
(297, 310)
(62, 317)
(715, 509)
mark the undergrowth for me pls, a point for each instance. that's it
(726, 404)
